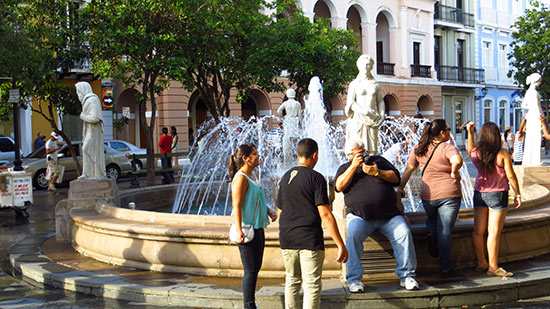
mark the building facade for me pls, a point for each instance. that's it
(501, 104)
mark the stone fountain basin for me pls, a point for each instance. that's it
(197, 244)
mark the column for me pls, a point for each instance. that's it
(404, 38)
(431, 44)
(339, 23)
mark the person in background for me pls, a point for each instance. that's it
(466, 135)
(507, 140)
(249, 207)
(519, 144)
(39, 141)
(175, 147)
(495, 170)
(51, 158)
(371, 205)
(440, 189)
(165, 147)
(303, 202)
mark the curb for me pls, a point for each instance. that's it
(27, 259)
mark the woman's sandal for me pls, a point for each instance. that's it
(500, 272)
(482, 269)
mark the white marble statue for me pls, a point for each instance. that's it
(93, 153)
(291, 111)
(364, 106)
(533, 135)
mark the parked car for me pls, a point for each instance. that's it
(115, 164)
(128, 149)
(7, 150)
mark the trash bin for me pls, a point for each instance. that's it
(15, 189)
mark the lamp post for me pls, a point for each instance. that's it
(14, 99)
(484, 91)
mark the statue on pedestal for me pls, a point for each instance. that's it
(93, 152)
(531, 103)
(291, 111)
(365, 106)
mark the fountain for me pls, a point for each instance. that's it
(194, 239)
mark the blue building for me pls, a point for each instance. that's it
(499, 101)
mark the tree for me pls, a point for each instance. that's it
(223, 46)
(306, 49)
(235, 45)
(530, 48)
(135, 41)
(38, 45)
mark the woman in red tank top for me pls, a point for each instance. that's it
(495, 170)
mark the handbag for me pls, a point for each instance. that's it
(248, 230)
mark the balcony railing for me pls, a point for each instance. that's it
(460, 74)
(383, 68)
(452, 14)
(418, 70)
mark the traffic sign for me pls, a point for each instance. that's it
(14, 96)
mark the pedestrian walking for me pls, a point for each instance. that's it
(303, 202)
(51, 158)
(495, 170)
(440, 187)
(249, 207)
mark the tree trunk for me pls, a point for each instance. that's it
(71, 149)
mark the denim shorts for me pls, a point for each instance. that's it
(497, 201)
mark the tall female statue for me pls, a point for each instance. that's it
(531, 103)
(365, 106)
(93, 153)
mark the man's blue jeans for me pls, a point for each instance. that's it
(441, 218)
(398, 233)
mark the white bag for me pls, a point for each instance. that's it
(248, 231)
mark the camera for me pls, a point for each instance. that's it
(366, 157)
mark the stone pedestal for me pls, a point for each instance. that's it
(83, 193)
(531, 175)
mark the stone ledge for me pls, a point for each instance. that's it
(473, 290)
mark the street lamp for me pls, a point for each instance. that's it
(483, 94)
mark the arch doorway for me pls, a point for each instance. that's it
(354, 24)
(198, 113)
(391, 106)
(425, 107)
(132, 131)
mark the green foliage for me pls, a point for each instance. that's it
(530, 47)
(135, 41)
(234, 44)
(119, 124)
(306, 49)
(223, 45)
(38, 44)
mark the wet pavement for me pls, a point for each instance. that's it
(18, 293)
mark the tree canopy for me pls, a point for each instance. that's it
(530, 47)
(38, 46)
(135, 41)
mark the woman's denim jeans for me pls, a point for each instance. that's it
(252, 254)
(441, 218)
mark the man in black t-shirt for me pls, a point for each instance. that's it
(304, 204)
(371, 204)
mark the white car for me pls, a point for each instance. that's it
(128, 149)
